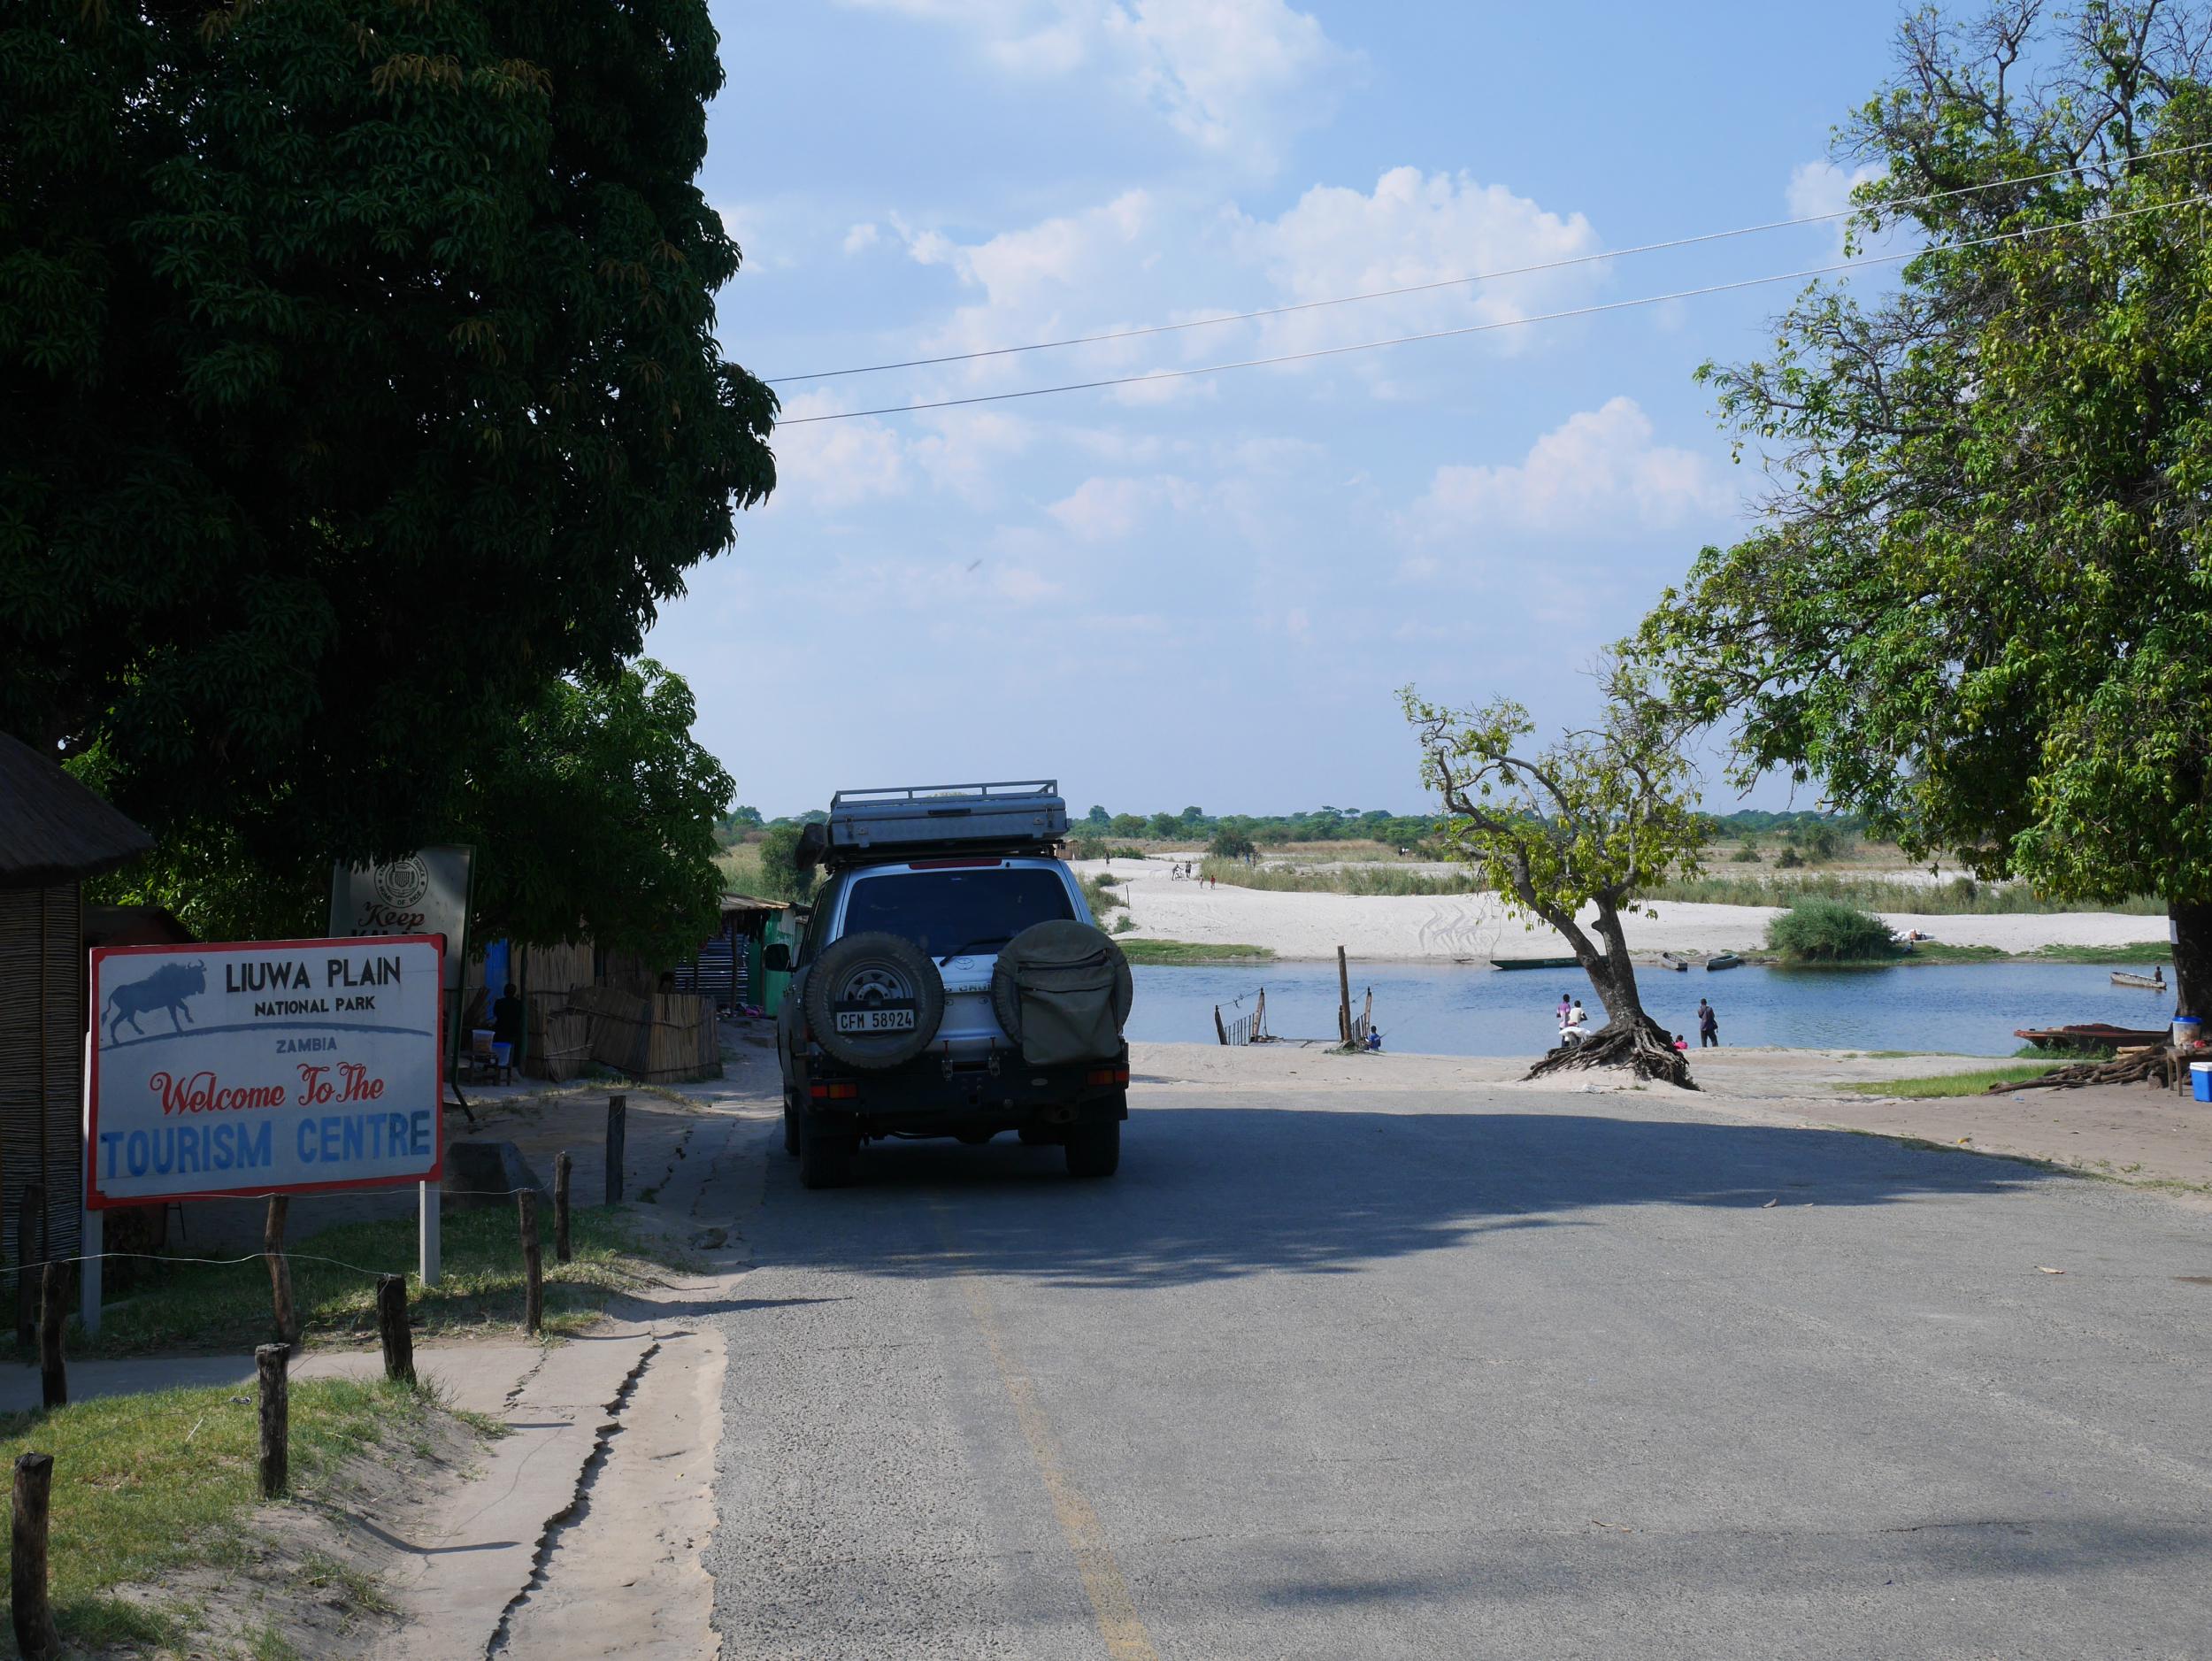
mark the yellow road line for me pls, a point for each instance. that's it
(1111, 1605)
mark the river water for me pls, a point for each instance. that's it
(1445, 1009)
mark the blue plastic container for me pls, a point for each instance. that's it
(2201, 1079)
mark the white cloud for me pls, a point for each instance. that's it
(1820, 188)
(1235, 77)
(1414, 228)
(1596, 473)
(862, 237)
(1106, 510)
(834, 464)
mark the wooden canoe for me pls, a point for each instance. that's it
(2145, 982)
(1726, 960)
(1534, 963)
(1667, 960)
(2094, 1035)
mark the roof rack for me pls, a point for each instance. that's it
(1015, 816)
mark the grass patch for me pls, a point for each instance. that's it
(1364, 879)
(1961, 896)
(1098, 894)
(209, 1306)
(1194, 951)
(1830, 932)
(2139, 956)
(145, 1486)
(1974, 1083)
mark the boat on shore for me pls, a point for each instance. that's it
(1670, 960)
(2155, 982)
(1725, 960)
(2094, 1035)
(1534, 963)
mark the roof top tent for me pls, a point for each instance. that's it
(1017, 817)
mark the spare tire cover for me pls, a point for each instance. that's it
(1062, 991)
(873, 1001)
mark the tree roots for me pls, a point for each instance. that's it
(1644, 1048)
(2143, 1067)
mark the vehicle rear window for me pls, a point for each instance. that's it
(949, 913)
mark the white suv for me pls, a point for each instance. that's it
(950, 982)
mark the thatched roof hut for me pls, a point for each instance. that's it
(52, 829)
(54, 833)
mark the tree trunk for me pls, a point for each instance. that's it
(1629, 1038)
(2192, 956)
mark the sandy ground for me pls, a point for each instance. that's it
(1442, 928)
(2134, 1133)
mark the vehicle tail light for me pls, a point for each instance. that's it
(833, 1092)
(1108, 1075)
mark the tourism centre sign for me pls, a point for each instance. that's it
(264, 1066)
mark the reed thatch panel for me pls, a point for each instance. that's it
(53, 829)
(42, 1060)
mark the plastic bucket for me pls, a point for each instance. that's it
(2186, 1030)
(501, 1054)
(2201, 1079)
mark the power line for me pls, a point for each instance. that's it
(1449, 282)
(1485, 328)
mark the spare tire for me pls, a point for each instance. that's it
(887, 993)
(1062, 992)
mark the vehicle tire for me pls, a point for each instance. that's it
(826, 1154)
(1063, 942)
(1095, 1150)
(1040, 1136)
(874, 972)
(790, 1124)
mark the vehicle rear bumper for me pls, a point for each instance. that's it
(926, 1098)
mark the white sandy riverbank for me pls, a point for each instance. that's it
(1474, 927)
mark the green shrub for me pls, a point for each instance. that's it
(1789, 860)
(1830, 931)
(1747, 853)
(1229, 844)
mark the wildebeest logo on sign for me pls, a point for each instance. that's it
(166, 988)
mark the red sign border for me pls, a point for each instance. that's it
(95, 1201)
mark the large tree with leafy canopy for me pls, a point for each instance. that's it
(357, 384)
(1978, 607)
(1583, 823)
(593, 815)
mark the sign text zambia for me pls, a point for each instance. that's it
(264, 1066)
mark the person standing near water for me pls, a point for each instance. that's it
(1566, 1004)
(1708, 1026)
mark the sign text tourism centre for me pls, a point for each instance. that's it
(264, 1065)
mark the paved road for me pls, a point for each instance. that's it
(1420, 1377)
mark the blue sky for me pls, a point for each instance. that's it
(1207, 590)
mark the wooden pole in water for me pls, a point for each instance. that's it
(270, 1363)
(1220, 1032)
(562, 1167)
(53, 1378)
(34, 1634)
(391, 1326)
(279, 1268)
(533, 1263)
(1343, 998)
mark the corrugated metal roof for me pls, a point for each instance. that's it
(53, 829)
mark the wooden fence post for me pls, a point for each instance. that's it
(30, 1212)
(1343, 998)
(618, 1133)
(34, 1634)
(391, 1326)
(270, 1363)
(533, 1263)
(53, 1310)
(1220, 1032)
(279, 1268)
(563, 1166)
